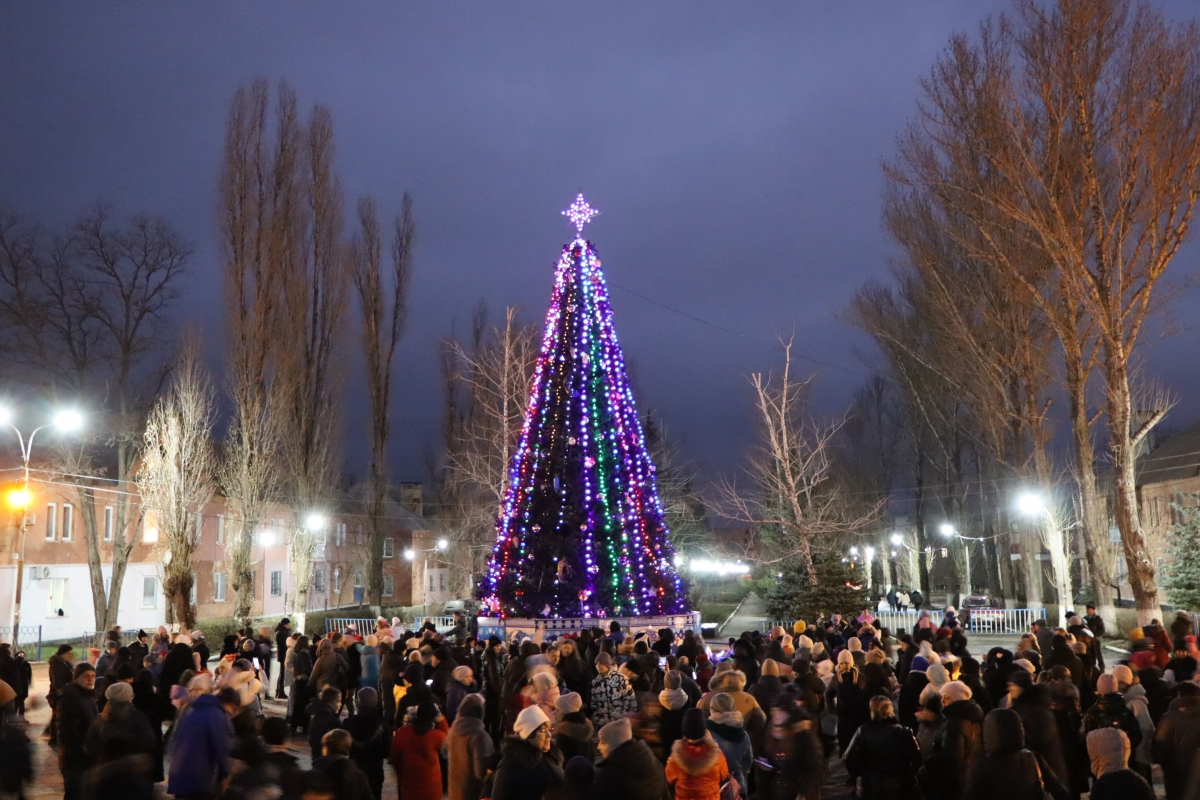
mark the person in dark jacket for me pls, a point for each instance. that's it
(1110, 711)
(1007, 770)
(852, 704)
(1032, 704)
(139, 649)
(145, 701)
(371, 739)
(200, 745)
(573, 732)
(76, 710)
(337, 770)
(883, 756)
(956, 744)
(971, 674)
(468, 749)
(998, 665)
(1062, 655)
(1177, 741)
(1108, 749)
(120, 747)
(322, 718)
(282, 631)
(910, 692)
(529, 766)
(59, 667)
(16, 751)
(627, 768)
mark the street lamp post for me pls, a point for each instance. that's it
(411, 554)
(65, 421)
(1032, 505)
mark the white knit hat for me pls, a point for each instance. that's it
(955, 691)
(529, 721)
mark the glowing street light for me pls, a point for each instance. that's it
(897, 539)
(946, 529)
(409, 554)
(853, 551)
(65, 421)
(315, 521)
(1031, 504)
(442, 544)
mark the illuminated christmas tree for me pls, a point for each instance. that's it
(582, 532)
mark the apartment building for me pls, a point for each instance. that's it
(57, 583)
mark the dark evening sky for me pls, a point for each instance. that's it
(732, 149)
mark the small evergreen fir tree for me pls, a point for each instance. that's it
(1182, 575)
(840, 589)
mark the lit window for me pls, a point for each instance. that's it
(56, 601)
(68, 526)
(388, 548)
(337, 580)
(358, 584)
(220, 529)
(108, 523)
(192, 594)
(340, 536)
(219, 587)
(276, 583)
(51, 522)
(149, 592)
(388, 584)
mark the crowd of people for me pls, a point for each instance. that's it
(616, 713)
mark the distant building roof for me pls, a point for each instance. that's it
(1176, 459)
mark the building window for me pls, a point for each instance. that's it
(198, 531)
(337, 580)
(51, 521)
(107, 585)
(431, 583)
(68, 528)
(340, 535)
(149, 528)
(388, 584)
(319, 580)
(192, 593)
(218, 587)
(358, 530)
(321, 540)
(149, 592)
(441, 581)
(108, 523)
(56, 605)
(358, 578)
(253, 585)
(220, 529)
(276, 583)
(388, 548)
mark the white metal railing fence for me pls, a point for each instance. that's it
(365, 625)
(983, 621)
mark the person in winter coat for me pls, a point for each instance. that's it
(910, 692)
(627, 768)
(1062, 655)
(529, 764)
(283, 632)
(1064, 704)
(956, 744)
(337, 771)
(462, 683)
(1136, 701)
(414, 756)
(672, 703)
(612, 696)
(1031, 702)
(1108, 749)
(76, 710)
(370, 739)
(1110, 711)
(728, 731)
(883, 756)
(16, 751)
(697, 767)
(370, 664)
(324, 670)
(322, 718)
(468, 749)
(200, 745)
(573, 732)
(443, 664)
(1006, 770)
(1177, 741)
(792, 750)
(119, 746)
(578, 775)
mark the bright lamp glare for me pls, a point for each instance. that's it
(6, 415)
(679, 559)
(315, 522)
(68, 420)
(853, 551)
(870, 553)
(19, 498)
(267, 539)
(409, 554)
(947, 529)
(705, 566)
(1031, 504)
(897, 538)
(442, 544)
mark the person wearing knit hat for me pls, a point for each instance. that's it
(628, 767)
(800, 627)
(529, 721)
(910, 692)
(612, 697)
(1108, 751)
(118, 692)
(697, 767)
(613, 735)
(1123, 675)
(568, 703)
(954, 692)
(919, 664)
(468, 749)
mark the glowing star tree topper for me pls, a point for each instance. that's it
(582, 531)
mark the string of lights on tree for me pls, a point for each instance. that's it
(582, 530)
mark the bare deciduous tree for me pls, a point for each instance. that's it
(383, 323)
(794, 499)
(177, 475)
